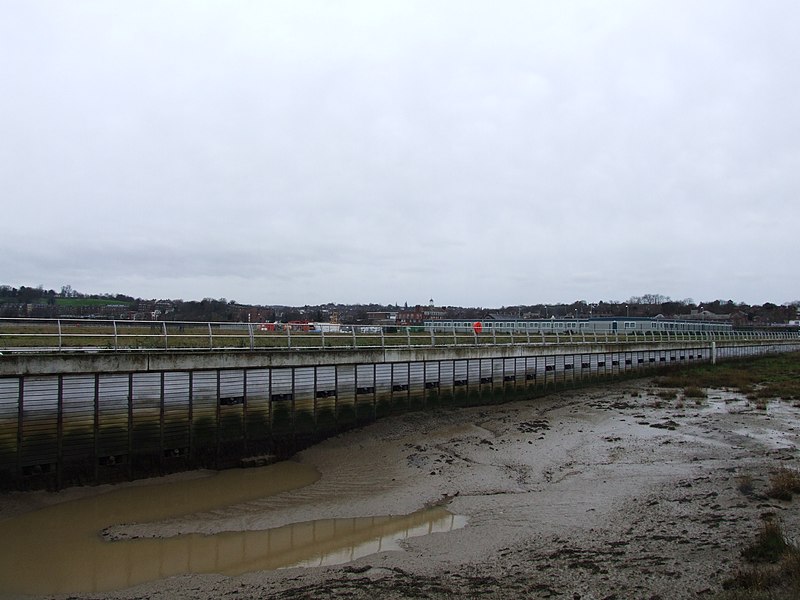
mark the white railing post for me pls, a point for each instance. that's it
(210, 337)
(164, 329)
(59, 333)
(114, 323)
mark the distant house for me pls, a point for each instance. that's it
(382, 317)
(703, 315)
(501, 317)
(419, 314)
(411, 316)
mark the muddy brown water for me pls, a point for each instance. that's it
(59, 549)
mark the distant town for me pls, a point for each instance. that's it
(37, 302)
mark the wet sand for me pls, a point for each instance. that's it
(599, 493)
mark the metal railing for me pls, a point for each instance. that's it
(100, 335)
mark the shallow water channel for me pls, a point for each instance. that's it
(59, 549)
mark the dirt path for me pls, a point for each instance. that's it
(599, 494)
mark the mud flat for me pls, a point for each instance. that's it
(605, 493)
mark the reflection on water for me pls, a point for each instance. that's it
(349, 539)
(58, 549)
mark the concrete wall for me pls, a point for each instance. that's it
(143, 361)
(90, 418)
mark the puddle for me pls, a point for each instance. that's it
(59, 550)
(380, 534)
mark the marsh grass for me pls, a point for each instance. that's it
(694, 391)
(770, 544)
(744, 483)
(667, 394)
(773, 572)
(786, 389)
(761, 403)
(784, 483)
(763, 377)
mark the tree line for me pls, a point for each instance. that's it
(26, 301)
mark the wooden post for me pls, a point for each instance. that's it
(216, 433)
(60, 433)
(130, 426)
(96, 425)
(191, 417)
(244, 411)
(20, 426)
(161, 422)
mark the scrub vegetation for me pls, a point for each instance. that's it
(759, 379)
(771, 570)
(784, 483)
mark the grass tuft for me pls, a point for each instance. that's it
(694, 391)
(783, 484)
(770, 545)
(774, 572)
(744, 483)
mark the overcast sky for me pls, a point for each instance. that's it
(477, 153)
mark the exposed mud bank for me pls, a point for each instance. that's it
(603, 493)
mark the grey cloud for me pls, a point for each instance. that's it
(479, 153)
